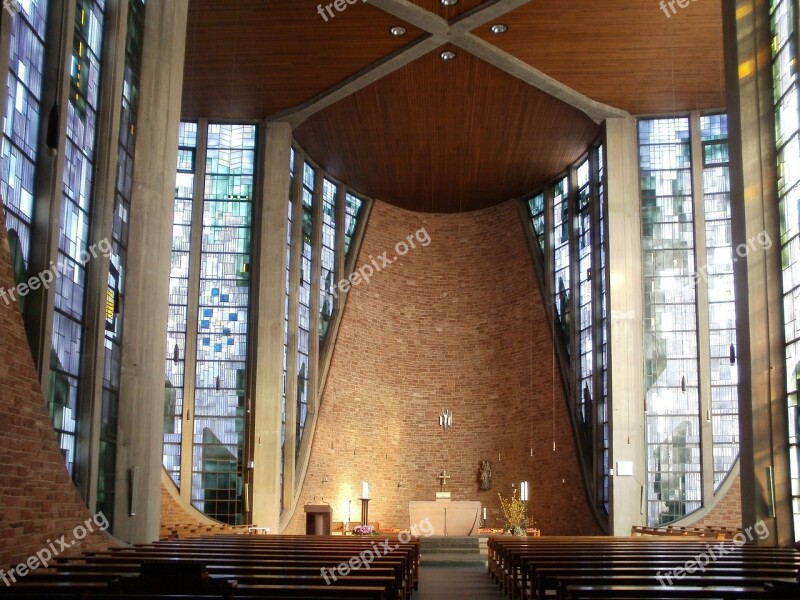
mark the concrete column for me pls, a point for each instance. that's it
(103, 201)
(626, 419)
(759, 300)
(142, 383)
(267, 346)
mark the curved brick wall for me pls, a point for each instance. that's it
(456, 324)
(38, 500)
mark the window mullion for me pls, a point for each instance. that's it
(701, 304)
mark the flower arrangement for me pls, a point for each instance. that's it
(515, 514)
(363, 530)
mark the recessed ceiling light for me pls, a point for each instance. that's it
(397, 31)
(449, 2)
(499, 28)
(448, 55)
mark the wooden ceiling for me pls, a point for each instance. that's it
(387, 116)
(458, 135)
(622, 53)
(248, 59)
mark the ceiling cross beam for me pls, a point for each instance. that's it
(439, 32)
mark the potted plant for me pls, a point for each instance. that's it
(514, 514)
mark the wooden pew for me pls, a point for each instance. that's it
(513, 562)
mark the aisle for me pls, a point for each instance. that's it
(463, 583)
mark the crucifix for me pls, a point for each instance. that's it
(443, 478)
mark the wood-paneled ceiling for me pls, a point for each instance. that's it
(388, 117)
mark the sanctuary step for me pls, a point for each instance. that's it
(453, 551)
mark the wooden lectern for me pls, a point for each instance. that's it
(318, 519)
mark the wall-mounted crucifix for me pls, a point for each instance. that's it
(443, 478)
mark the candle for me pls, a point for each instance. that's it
(484, 513)
(523, 491)
(364, 489)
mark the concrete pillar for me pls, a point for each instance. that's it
(759, 300)
(103, 201)
(267, 346)
(142, 383)
(626, 420)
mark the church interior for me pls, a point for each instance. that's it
(511, 282)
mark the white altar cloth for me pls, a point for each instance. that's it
(454, 517)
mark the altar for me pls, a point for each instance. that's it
(450, 517)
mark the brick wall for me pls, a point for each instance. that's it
(39, 502)
(456, 324)
(175, 511)
(727, 512)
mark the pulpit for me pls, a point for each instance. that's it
(318, 519)
(446, 517)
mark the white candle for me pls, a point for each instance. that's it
(364, 489)
(523, 491)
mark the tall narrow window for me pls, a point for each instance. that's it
(352, 213)
(561, 258)
(602, 326)
(287, 295)
(304, 327)
(327, 278)
(577, 223)
(24, 116)
(670, 320)
(175, 372)
(536, 212)
(74, 226)
(787, 142)
(115, 295)
(224, 297)
(585, 314)
(721, 299)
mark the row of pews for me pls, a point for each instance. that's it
(232, 567)
(574, 568)
(717, 533)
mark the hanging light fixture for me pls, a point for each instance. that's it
(733, 355)
(176, 353)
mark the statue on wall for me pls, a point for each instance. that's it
(486, 475)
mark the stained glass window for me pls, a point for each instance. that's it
(602, 325)
(721, 298)
(224, 296)
(783, 21)
(304, 323)
(561, 258)
(328, 277)
(536, 212)
(175, 366)
(352, 213)
(286, 302)
(585, 314)
(670, 323)
(74, 225)
(23, 120)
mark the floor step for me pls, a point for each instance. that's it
(444, 559)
